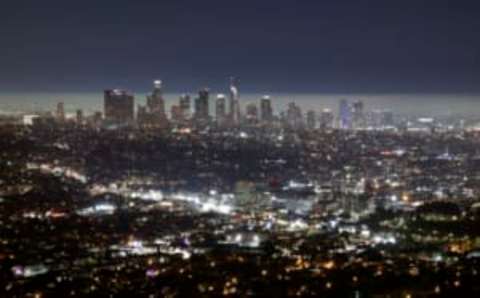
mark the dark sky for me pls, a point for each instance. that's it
(273, 46)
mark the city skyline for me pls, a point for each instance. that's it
(122, 110)
(185, 148)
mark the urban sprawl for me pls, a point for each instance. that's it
(237, 199)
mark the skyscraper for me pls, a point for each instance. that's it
(345, 115)
(220, 109)
(252, 113)
(266, 111)
(185, 106)
(326, 119)
(118, 107)
(294, 116)
(142, 116)
(234, 113)
(176, 114)
(358, 116)
(311, 120)
(202, 107)
(156, 105)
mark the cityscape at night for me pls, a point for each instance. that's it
(239, 186)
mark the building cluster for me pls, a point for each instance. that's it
(228, 111)
(243, 203)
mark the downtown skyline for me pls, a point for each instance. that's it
(273, 148)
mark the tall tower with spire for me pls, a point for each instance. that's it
(156, 104)
(234, 112)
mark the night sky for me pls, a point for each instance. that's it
(273, 46)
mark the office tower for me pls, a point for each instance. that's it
(142, 116)
(220, 109)
(251, 113)
(358, 116)
(79, 117)
(294, 116)
(345, 115)
(266, 111)
(176, 114)
(379, 119)
(234, 114)
(201, 106)
(156, 105)
(155, 101)
(326, 119)
(60, 112)
(118, 107)
(185, 106)
(311, 120)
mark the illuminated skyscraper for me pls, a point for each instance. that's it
(311, 120)
(220, 109)
(118, 107)
(234, 113)
(176, 114)
(345, 115)
(294, 116)
(326, 119)
(202, 107)
(358, 116)
(266, 111)
(156, 105)
(142, 116)
(185, 106)
(251, 113)
(155, 102)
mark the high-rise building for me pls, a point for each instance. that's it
(60, 112)
(358, 116)
(326, 119)
(155, 101)
(220, 109)
(234, 113)
(251, 113)
(185, 106)
(142, 116)
(266, 111)
(345, 115)
(156, 105)
(202, 107)
(294, 116)
(176, 113)
(118, 106)
(311, 120)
